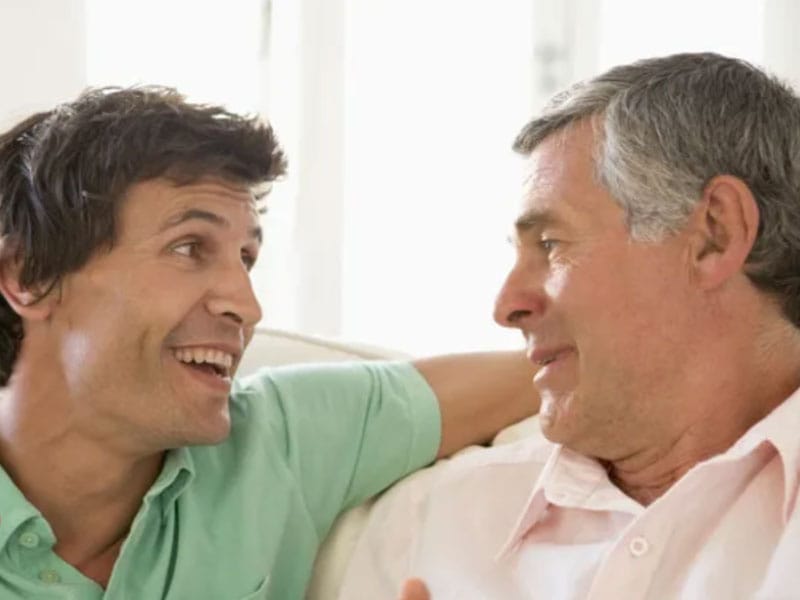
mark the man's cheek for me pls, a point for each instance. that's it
(79, 359)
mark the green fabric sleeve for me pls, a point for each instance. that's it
(349, 429)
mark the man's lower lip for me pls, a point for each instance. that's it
(553, 364)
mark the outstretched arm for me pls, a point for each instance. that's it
(479, 394)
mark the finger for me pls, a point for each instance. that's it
(414, 589)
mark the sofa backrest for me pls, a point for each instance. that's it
(274, 347)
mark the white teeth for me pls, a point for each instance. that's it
(205, 355)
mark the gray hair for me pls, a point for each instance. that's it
(666, 126)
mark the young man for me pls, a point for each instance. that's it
(133, 465)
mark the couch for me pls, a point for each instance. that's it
(272, 347)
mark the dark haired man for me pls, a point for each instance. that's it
(132, 465)
(656, 284)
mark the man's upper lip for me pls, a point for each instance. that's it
(542, 356)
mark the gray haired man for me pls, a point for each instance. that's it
(657, 285)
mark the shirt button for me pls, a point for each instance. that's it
(638, 546)
(29, 540)
(49, 576)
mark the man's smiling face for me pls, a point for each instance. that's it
(605, 316)
(149, 333)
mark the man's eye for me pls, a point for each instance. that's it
(186, 248)
(547, 245)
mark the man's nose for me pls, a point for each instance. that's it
(232, 296)
(520, 299)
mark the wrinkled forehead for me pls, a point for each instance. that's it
(563, 161)
(172, 191)
(159, 203)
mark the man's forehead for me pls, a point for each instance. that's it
(555, 192)
(209, 187)
(205, 186)
(561, 151)
(163, 204)
(539, 173)
(539, 181)
(560, 162)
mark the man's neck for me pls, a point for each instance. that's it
(88, 493)
(710, 420)
(647, 476)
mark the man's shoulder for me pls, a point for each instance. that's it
(258, 431)
(474, 498)
(261, 399)
(478, 473)
(528, 451)
(254, 402)
(509, 465)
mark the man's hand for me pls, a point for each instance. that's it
(414, 589)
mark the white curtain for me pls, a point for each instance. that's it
(42, 55)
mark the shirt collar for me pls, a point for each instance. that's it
(15, 509)
(781, 429)
(571, 480)
(176, 474)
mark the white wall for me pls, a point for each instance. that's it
(782, 39)
(436, 93)
(42, 55)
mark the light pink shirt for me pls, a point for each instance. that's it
(536, 520)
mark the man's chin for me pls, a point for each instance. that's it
(216, 437)
(553, 421)
(206, 437)
(208, 430)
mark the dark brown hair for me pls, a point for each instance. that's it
(64, 172)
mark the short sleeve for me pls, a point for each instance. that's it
(348, 430)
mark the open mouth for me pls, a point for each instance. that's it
(207, 361)
(208, 368)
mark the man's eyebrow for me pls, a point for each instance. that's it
(209, 217)
(534, 218)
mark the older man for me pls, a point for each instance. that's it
(132, 465)
(657, 284)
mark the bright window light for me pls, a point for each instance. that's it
(210, 51)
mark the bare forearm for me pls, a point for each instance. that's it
(479, 394)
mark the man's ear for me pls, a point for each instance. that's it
(723, 230)
(30, 303)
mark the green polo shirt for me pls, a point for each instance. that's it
(244, 518)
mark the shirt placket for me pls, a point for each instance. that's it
(31, 557)
(636, 562)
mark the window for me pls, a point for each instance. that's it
(398, 119)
